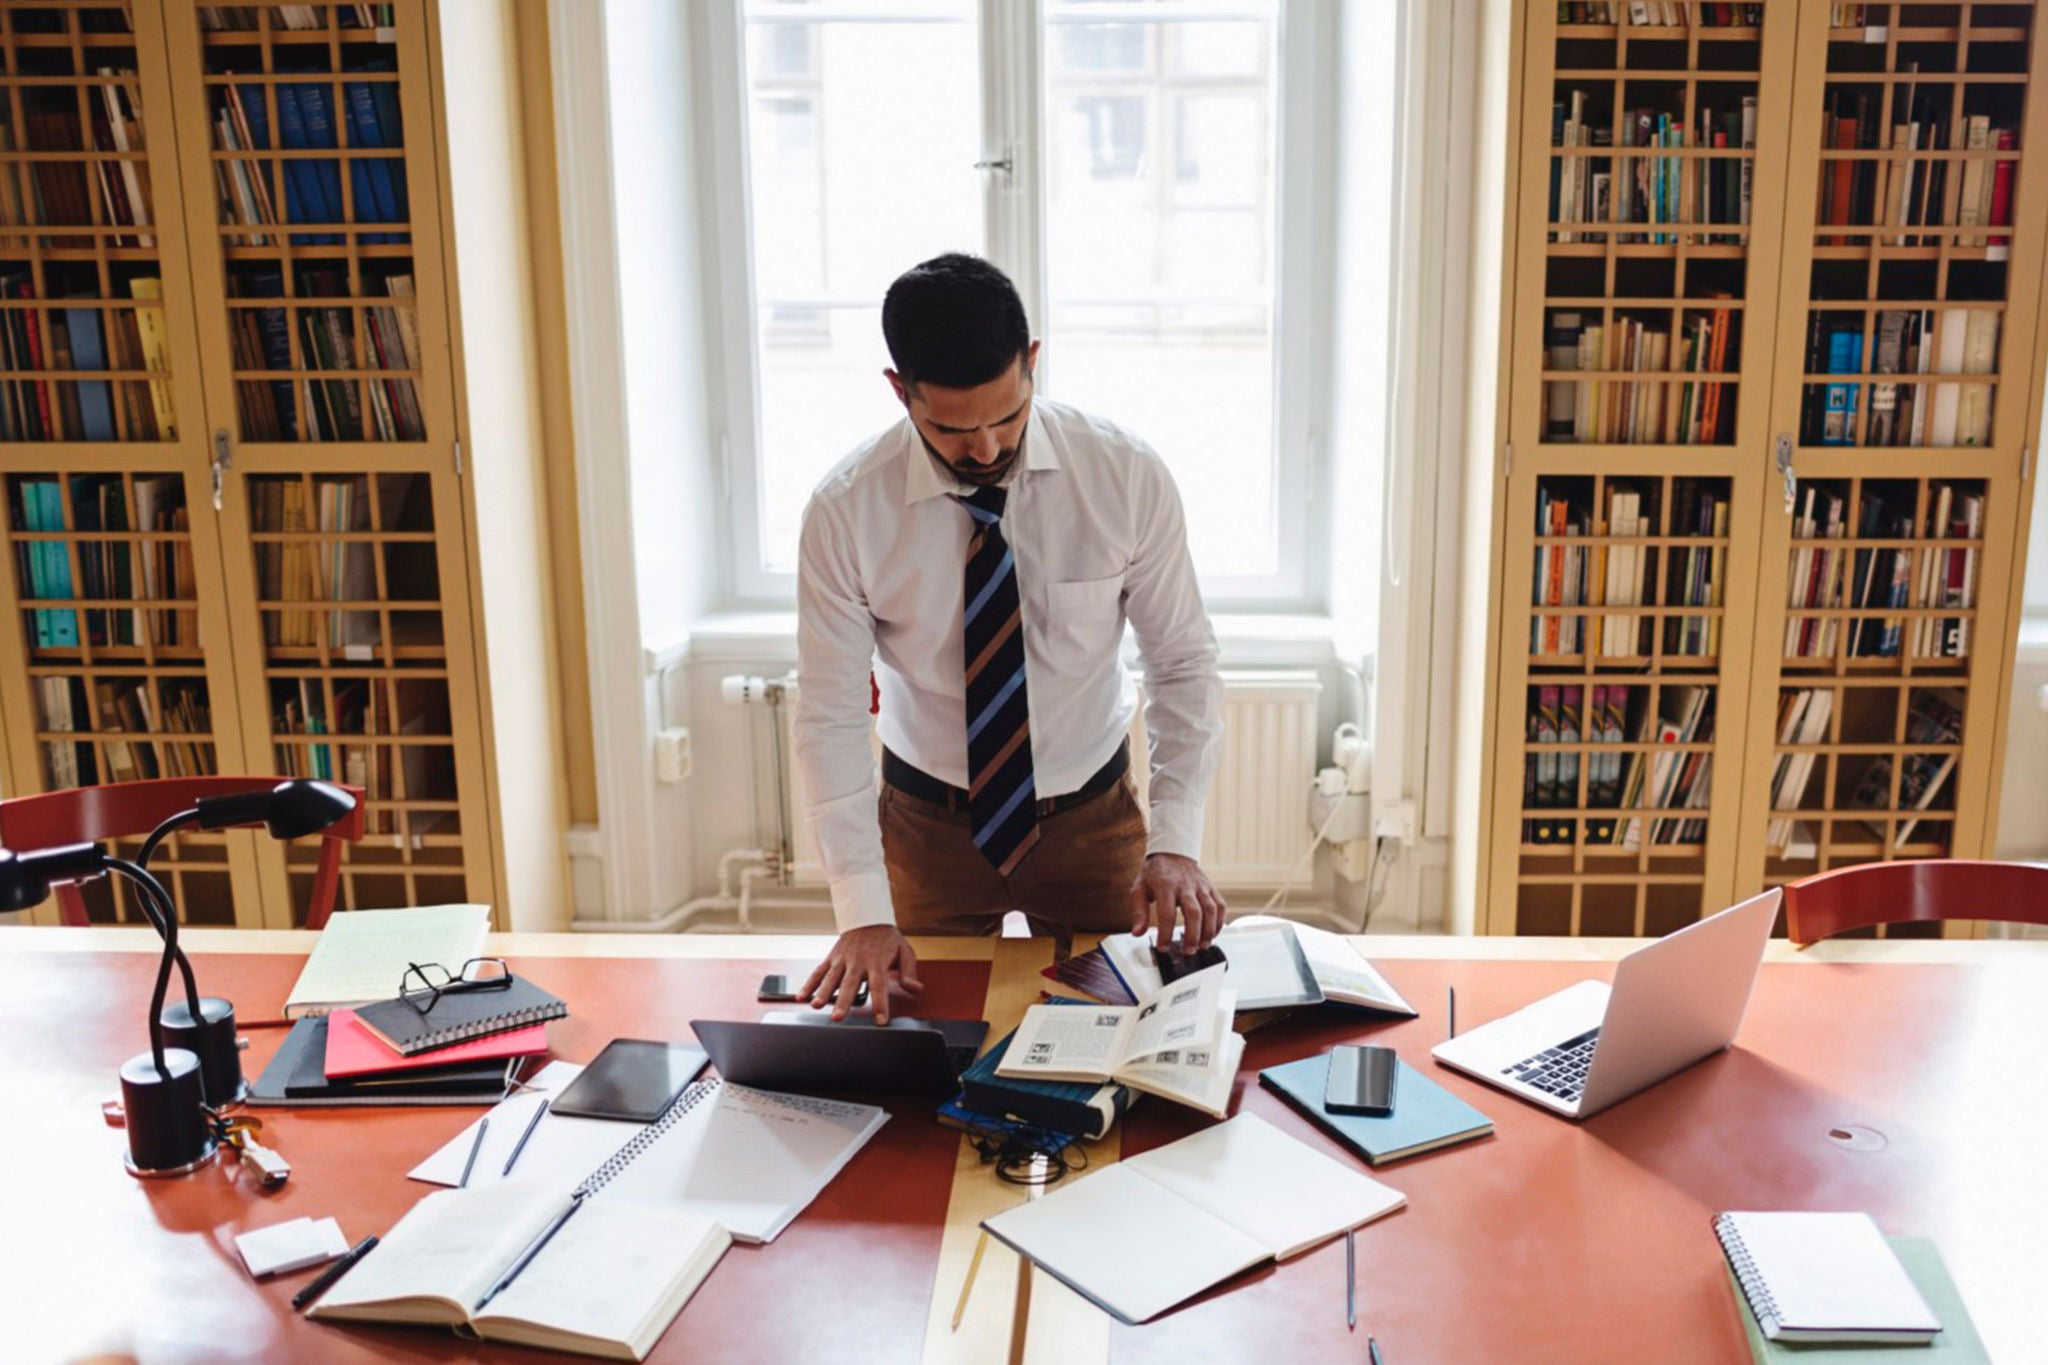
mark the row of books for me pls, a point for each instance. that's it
(361, 707)
(1665, 13)
(84, 338)
(1601, 410)
(116, 709)
(312, 187)
(1615, 575)
(334, 409)
(1915, 192)
(1648, 188)
(109, 569)
(62, 192)
(1600, 715)
(293, 18)
(1824, 577)
(1934, 718)
(310, 571)
(1906, 341)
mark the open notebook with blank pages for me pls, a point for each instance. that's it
(1823, 1277)
(1140, 1236)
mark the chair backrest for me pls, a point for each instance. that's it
(130, 810)
(1906, 892)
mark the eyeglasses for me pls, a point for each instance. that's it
(424, 984)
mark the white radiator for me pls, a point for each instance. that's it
(1257, 823)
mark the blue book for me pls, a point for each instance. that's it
(1083, 1108)
(305, 190)
(1838, 416)
(391, 133)
(38, 561)
(1426, 1116)
(376, 199)
(317, 116)
(274, 335)
(57, 568)
(89, 352)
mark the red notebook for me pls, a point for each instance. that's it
(352, 1050)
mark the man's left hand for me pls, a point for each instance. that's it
(1170, 885)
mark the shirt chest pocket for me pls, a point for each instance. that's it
(1086, 612)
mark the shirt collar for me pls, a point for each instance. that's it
(924, 478)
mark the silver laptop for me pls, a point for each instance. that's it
(1591, 1045)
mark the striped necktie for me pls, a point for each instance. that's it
(1002, 801)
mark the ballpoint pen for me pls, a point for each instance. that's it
(1454, 1010)
(1372, 1349)
(540, 1110)
(526, 1257)
(326, 1278)
(483, 1125)
(1351, 1281)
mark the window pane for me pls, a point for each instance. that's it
(863, 132)
(1161, 251)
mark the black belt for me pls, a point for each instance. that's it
(922, 785)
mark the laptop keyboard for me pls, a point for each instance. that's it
(1560, 1070)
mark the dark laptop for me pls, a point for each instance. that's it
(806, 1052)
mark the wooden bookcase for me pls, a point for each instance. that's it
(1753, 526)
(293, 505)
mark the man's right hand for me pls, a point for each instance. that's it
(877, 954)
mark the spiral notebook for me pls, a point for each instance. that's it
(1824, 1277)
(460, 1015)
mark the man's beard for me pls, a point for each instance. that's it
(979, 475)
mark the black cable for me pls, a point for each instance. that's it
(1017, 1151)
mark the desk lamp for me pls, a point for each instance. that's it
(162, 1090)
(206, 1026)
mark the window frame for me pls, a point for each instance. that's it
(1014, 237)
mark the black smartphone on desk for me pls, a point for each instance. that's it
(1361, 1081)
(778, 989)
(633, 1079)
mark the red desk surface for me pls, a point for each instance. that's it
(1555, 1241)
(84, 1247)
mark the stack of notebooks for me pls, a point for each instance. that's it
(348, 1046)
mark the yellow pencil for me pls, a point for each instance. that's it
(973, 1266)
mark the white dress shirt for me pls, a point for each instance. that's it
(1095, 523)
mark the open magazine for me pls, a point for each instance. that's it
(1176, 1043)
(1341, 971)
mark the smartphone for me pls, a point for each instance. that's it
(633, 1079)
(1361, 1081)
(777, 988)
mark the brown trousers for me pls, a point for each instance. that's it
(1078, 877)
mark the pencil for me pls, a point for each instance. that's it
(1350, 1281)
(973, 1268)
(483, 1125)
(531, 1124)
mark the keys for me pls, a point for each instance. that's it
(270, 1168)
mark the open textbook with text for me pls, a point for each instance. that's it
(1176, 1043)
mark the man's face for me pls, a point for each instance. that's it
(977, 433)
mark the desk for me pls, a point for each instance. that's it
(1550, 1241)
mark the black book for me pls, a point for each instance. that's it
(296, 1078)
(459, 1016)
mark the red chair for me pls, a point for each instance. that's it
(130, 810)
(1915, 892)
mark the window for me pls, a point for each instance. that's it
(1137, 194)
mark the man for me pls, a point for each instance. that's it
(981, 557)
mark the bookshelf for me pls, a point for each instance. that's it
(257, 507)
(1768, 371)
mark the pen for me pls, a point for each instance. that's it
(326, 1278)
(483, 1125)
(1351, 1281)
(973, 1266)
(1372, 1349)
(525, 1257)
(1454, 1029)
(531, 1124)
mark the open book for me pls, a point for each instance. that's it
(1176, 1043)
(607, 1284)
(1140, 1236)
(1340, 970)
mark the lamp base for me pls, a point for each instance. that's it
(168, 1130)
(128, 1162)
(210, 1037)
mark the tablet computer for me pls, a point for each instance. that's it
(633, 1079)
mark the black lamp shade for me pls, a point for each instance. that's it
(25, 877)
(290, 810)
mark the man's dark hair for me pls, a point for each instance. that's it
(955, 321)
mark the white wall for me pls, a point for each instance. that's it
(2023, 798)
